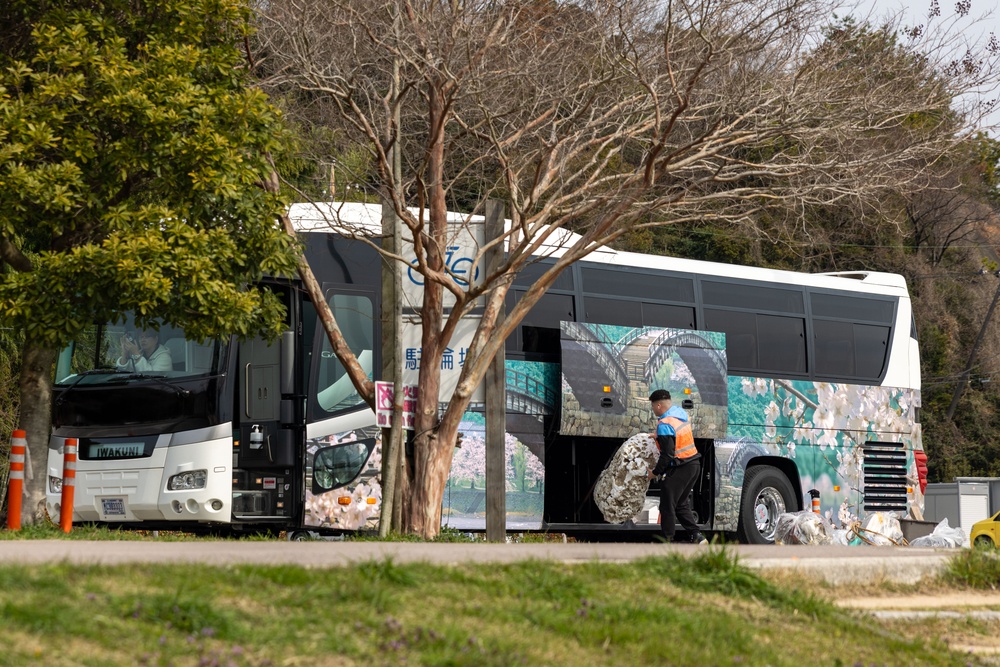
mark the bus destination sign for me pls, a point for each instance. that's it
(116, 450)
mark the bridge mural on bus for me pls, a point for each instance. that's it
(823, 428)
(609, 371)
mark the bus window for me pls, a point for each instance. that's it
(834, 348)
(741, 336)
(782, 346)
(334, 390)
(759, 343)
(539, 331)
(752, 297)
(602, 310)
(612, 311)
(96, 353)
(871, 345)
(845, 349)
(852, 308)
(663, 315)
(618, 282)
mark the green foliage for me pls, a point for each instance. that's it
(86, 532)
(976, 568)
(131, 157)
(988, 150)
(934, 346)
(321, 151)
(185, 610)
(10, 364)
(446, 535)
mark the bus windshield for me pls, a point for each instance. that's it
(105, 352)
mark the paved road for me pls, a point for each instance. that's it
(835, 564)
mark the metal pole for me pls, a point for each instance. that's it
(392, 345)
(496, 403)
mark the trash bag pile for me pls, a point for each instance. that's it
(620, 491)
(880, 529)
(943, 535)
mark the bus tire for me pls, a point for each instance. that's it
(767, 494)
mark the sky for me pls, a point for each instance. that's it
(983, 18)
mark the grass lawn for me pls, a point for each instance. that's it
(670, 610)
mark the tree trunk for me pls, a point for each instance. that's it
(429, 470)
(434, 453)
(36, 420)
(496, 402)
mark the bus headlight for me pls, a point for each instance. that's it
(55, 484)
(188, 481)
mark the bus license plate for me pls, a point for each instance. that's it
(113, 506)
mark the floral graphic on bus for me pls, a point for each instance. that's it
(355, 505)
(825, 428)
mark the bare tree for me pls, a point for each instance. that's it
(603, 116)
(942, 218)
(952, 207)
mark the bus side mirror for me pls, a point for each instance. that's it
(339, 465)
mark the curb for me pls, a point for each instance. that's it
(863, 570)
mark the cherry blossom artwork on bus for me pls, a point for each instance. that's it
(347, 496)
(826, 429)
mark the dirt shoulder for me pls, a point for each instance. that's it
(930, 601)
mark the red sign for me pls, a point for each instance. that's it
(384, 396)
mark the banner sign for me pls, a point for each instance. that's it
(384, 396)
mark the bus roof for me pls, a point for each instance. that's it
(365, 220)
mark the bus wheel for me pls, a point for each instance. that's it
(767, 494)
(984, 542)
(299, 536)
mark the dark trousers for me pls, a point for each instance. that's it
(675, 498)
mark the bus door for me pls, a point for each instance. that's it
(608, 373)
(267, 425)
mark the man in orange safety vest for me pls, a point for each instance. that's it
(677, 469)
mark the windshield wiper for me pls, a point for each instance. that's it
(159, 379)
(127, 376)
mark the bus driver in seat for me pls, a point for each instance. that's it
(144, 355)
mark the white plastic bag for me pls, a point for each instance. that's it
(803, 527)
(943, 535)
(842, 537)
(882, 529)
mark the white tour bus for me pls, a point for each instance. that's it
(797, 385)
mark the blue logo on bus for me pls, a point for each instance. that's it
(459, 267)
